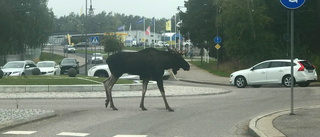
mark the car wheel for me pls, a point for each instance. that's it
(241, 82)
(304, 84)
(101, 74)
(286, 81)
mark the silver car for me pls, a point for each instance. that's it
(18, 68)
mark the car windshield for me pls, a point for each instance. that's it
(14, 65)
(68, 61)
(97, 54)
(69, 46)
(45, 64)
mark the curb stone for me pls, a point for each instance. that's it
(20, 121)
(262, 126)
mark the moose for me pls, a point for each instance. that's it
(149, 64)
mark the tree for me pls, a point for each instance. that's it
(25, 23)
(112, 43)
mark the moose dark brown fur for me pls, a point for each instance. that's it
(149, 64)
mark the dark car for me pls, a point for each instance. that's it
(81, 44)
(68, 63)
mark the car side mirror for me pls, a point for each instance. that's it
(27, 66)
(252, 69)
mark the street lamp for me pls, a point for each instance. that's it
(179, 25)
(86, 34)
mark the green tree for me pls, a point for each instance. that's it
(25, 23)
(112, 44)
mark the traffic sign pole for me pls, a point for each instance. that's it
(217, 40)
(292, 4)
(292, 52)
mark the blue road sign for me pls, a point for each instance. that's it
(292, 4)
(217, 39)
(95, 40)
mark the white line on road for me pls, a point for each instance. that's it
(19, 132)
(73, 134)
(130, 136)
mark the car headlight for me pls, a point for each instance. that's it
(50, 71)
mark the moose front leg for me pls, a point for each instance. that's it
(108, 84)
(160, 86)
(144, 90)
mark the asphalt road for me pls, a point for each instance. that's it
(201, 116)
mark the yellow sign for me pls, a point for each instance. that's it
(218, 46)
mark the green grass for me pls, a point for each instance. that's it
(50, 56)
(55, 80)
(211, 67)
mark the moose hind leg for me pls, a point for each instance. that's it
(160, 86)
(144, 90)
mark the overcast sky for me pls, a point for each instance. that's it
(147, 8)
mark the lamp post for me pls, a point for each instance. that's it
(86, 34)
(179, 25)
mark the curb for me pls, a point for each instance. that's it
(262, 126)
(203, 82)
(71, 88)
(17, 122)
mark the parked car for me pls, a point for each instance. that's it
(161, 44)
(104, 71)
(97, 58)
(69, 49)
(49, 68)
(18, 68)
(68, 63)
(275, 72)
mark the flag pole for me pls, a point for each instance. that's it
(144, 28)
(175, 32)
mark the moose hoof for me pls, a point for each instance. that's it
(114, 108)
(143, 108)
(170, 110)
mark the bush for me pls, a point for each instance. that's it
(36, 71)
(72, 72)
(1, 73)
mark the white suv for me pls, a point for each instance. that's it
(275, 72)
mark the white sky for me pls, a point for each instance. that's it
(147, 8)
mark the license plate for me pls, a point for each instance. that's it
(310, 71)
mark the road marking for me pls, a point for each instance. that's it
(19, 132)
(73, 134)
(130, 136)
